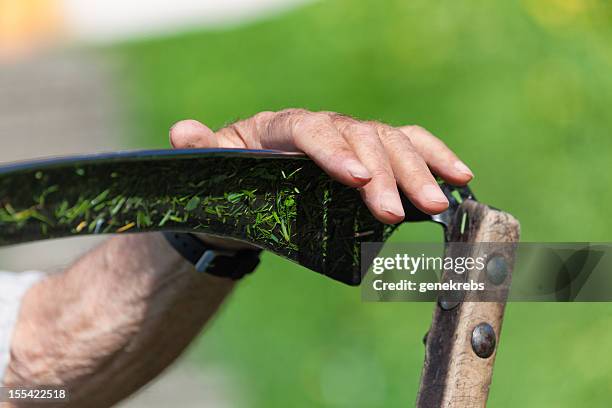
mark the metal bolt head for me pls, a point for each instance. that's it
(450, 299)
(447, 304)
(483, 340)
(497, 270)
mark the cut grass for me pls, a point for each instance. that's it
(286, 205)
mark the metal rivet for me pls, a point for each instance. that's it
(497, 270)
(450, 300)
(483, 340)
(447, 304)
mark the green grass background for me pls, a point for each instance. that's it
(521, 90)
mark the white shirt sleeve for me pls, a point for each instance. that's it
(12, 288)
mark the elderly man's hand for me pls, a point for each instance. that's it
(371, 156)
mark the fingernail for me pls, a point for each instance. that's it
(170, 135)
(462, 168)
(357, 170)
(391, 203)
(433, 193)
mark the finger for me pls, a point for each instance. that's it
(411, 172)
(380, 194)
(190, 134)
(249, 133)
(438, 156)
(316, 135)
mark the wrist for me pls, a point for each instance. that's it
(223, 259)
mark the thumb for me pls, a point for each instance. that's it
(190, 134)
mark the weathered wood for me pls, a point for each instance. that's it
(453, 374)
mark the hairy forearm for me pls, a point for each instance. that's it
(113, 321)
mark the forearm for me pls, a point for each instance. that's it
(113, 321)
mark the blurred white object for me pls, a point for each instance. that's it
(27, 26)
(14, 286)
(115, 19)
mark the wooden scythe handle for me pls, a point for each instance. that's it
(454, 375)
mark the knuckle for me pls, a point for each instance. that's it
(263, 117)
(290, 116)
(292, 111)
(332, 114)
(394, 136)
(263, 122)
(377, 126)
(359, 130)
(319, 117)
(286, 120)
(310, 122)
(337, 117)
(414, 130)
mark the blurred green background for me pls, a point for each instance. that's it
(520, 90)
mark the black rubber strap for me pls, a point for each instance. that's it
(215, 261)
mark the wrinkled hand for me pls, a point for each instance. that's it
(371, 156)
